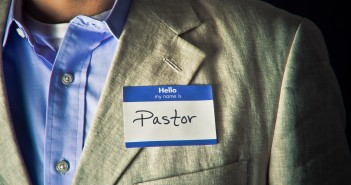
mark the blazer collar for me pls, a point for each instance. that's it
(150, 52)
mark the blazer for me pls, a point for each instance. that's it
(279, 113)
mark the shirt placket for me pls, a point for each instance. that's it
(66, 102)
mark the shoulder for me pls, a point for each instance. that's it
(252, 16)
(248, 12)
(247, 19)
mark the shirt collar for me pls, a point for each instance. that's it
(115, 20)
(15, 15)
(118, 17)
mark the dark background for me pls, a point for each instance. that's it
(332, 18)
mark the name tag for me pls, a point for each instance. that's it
(168, 116)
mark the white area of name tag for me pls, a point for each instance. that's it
(169, 122)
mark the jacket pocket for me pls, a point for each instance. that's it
(235, 174)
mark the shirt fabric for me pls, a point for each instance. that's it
(51, 115)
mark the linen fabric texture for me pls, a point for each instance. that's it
(279, 113)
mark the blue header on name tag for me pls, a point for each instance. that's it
(167, 93)
(170, 143)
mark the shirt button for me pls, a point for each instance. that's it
(20, 32)
(62, 166)
(67, 79)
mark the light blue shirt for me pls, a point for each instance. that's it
(53, 94)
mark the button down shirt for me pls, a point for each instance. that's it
(53, 92)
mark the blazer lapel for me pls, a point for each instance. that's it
(150, 52)
(12, 169)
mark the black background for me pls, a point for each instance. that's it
(332, 18)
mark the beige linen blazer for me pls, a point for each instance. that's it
(279, 113)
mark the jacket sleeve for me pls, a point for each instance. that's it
(309, 144)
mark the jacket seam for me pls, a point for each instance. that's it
(280, 91)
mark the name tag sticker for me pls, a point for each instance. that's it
(168, 116)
